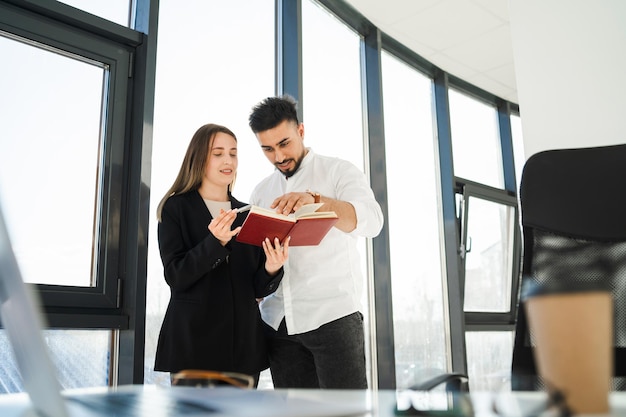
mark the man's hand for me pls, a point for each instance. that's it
(220, 226)
(290, 202)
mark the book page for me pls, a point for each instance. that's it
(318, 215)
(308, 211)
(271, 213)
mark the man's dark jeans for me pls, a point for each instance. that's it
(332, 356)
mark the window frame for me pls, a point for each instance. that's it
(489, 321)
(127, 171)
(78, 33)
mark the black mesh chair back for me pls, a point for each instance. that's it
(573, 210)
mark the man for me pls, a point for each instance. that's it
(316, 338)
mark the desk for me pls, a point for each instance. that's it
(379, 403)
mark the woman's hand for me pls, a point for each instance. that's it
(220, 226)
(276, 255)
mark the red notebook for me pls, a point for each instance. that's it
(306, 226)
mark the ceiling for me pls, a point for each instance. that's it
(467, 38)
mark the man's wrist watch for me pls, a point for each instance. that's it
(316, 196)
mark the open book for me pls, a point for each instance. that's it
(306, 226)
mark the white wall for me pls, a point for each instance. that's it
(570, 64)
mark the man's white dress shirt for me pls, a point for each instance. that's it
(321, 283)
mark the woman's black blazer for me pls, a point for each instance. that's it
(212, 321)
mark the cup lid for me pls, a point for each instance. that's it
(532, 288)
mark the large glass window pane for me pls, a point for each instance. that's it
(489, 358)
(117, 11)
(50, 136)
(475, 141)
(331, 73)
(333, 117)
(418, 306)
(215, 61)
(81, 358)
(489, 256)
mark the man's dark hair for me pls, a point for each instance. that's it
(271, 112)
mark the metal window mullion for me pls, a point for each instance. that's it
(137, 164)
(383, 356)
(451, 277)
(506, 143)
(289, 50)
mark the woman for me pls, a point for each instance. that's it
(212, 320)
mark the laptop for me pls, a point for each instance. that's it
(23, 322)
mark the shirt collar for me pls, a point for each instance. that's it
(307, 158)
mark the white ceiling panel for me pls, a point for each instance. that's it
(467, 38)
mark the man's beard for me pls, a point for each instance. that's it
(291, 172)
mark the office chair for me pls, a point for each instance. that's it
(573, 215)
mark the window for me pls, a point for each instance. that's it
(489, 252)
(208, 71)
(65, 172)
(81, 357)
(331, 73)
(418, 306)
(65, 123)
(333, 119)
(117, 11)
(489, 238)
(48, 153)
(475, 135)
(488, 249)
(493, 374)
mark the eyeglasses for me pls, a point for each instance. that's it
(200, 378)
